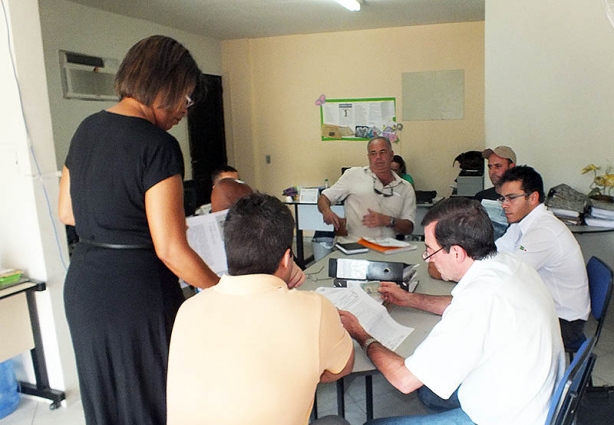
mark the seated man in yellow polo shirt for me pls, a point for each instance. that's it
(249, 350)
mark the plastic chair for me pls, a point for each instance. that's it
(569, 392)
(600, 278)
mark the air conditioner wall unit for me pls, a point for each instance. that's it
(88, 77)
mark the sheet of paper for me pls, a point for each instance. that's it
(495, 211)
(206, 237)
(371, 315)
(389, 242)
(352, 269)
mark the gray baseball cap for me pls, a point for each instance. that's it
(502, 151)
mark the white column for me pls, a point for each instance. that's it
(31, 237)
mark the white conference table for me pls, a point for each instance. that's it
(421, 321)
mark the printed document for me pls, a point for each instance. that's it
(372, 316)
(206, 237)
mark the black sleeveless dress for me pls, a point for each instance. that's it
(120, 303)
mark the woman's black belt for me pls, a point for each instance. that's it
(117, 245)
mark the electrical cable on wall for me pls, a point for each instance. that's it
(38, 175)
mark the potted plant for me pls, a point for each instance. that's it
(601, 186)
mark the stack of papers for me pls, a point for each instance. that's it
(372, 315)
(564, 213)
(495, 211)
(602, 215)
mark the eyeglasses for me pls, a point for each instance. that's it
(385, 192)
(188, 101)
(510, 198)
(426, 256)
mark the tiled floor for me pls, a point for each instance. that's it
(387, 400)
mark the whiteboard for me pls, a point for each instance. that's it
(434, 95)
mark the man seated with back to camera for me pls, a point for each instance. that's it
(225, 193)
(223, 172)
(377, 202)
(547, 244)
(261, 348)
(496, 355)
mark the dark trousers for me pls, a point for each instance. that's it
(571, 331)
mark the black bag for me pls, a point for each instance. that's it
(425, 196)
(470, 160)
(596, 406)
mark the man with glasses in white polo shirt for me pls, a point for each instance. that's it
(377, 202)
(545, 242)
(496, 354)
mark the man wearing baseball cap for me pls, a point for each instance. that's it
(500, 159)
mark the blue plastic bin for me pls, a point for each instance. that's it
(9, 397)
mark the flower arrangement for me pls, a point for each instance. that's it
(291, 192)
(602, 184)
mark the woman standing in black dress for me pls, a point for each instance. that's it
(122, 188)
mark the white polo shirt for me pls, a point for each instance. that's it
(500, 340)
(356, 188)
(545, 242)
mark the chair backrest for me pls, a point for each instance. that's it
(600, 277)
(569, 391)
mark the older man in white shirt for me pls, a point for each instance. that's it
(377, 202)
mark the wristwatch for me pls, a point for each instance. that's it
(367, 343)
(393, 221)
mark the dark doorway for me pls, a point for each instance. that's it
(207, 141)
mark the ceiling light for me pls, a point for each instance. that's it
(352, 5)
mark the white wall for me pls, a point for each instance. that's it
(549, 80)
(82, 29)
(28, 185)
(271, 85)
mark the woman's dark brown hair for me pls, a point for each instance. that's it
(157, 66)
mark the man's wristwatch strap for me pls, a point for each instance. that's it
(367, 343)
(393, 222)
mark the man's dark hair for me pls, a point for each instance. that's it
(529, 179)
(223, 169)
(257, 232)
(463, 222)
(157, 66)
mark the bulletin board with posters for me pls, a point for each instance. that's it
(358, 119)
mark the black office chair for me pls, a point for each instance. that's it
(600, 282)
(568, 393)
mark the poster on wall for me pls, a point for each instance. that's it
(358, 119)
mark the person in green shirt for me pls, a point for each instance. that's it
(398, 166)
